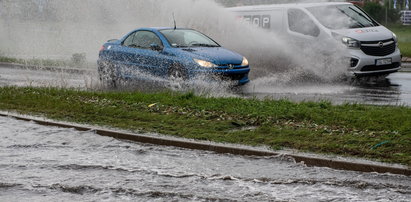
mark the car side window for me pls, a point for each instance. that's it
(142, 39)
(300, 22)
(129, 40)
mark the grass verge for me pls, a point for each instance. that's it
(377, 132)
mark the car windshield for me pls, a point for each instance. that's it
(187, 38)
(342, 17)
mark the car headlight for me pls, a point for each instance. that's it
(394, 36)
(244, 62)
(351, 43)
(204, 63)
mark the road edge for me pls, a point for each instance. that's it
(47, 68)
(308, 161)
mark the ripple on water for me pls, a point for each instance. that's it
(91, 167)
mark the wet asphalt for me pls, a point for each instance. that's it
(392, 90)
(40, 163)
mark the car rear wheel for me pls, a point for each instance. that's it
(107, 75)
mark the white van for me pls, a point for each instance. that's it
(372, 48)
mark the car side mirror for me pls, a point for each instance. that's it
(155, 47)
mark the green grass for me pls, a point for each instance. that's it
(350, 129)
(404, 38)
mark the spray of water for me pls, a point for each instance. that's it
(58, 28)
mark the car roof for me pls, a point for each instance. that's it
(153, 29)
(289, 5)
(162, 28)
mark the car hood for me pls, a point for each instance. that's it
(367, 33)
(216, 55)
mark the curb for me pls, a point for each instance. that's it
(405, 67)
(46, 68)
(309, 161)
(406, 59)
(406, 64)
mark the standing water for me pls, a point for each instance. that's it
(40, 163)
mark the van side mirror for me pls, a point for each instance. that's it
(155, 47)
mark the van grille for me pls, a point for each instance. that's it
(378, 48)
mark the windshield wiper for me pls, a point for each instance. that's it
(179, 46)
(203, 45)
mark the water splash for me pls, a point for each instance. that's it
(58, 29)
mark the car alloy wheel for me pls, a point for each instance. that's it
(177, 76)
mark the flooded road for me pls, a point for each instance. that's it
(11, 75)
(40, 163)
(394, 90)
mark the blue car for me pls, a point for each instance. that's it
(175, 54)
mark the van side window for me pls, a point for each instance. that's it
(300, 22)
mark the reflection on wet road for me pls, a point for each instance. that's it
(12, 76)
(394, 90)
(40, 163)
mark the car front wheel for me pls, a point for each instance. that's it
(177, 76)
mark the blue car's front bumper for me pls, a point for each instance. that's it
(235, 74)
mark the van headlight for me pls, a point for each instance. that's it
(204, 63)
(351, 43)
(394, 36)
(244, 62)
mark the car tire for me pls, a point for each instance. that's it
(107, 75)
(177, 75)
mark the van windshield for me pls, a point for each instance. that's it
(342, 17)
